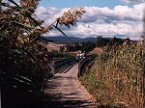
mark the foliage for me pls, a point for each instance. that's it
(117, 76)
(88, 46)
(84, 46)
(24, 62)
(20, 52)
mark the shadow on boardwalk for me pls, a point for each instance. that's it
(66, 104)
(67, 92)
(47, 102)
(41, 102)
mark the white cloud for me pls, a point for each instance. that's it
(121, 20)
(133, 1)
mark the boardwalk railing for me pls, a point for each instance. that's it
(59, 64)
(85, 64)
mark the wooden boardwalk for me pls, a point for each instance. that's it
(67, 90)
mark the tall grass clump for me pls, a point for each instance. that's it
(24, 62)
(117, 76)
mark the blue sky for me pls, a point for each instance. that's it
(81, 3)
(109, 18)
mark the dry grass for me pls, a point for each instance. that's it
(96, 51)
(24, 62)
(117, 77)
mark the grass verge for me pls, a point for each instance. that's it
(116, 78)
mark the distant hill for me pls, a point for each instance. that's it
(44, 39)
(62, 39)
(100, 41)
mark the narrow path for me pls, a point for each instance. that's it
(67, 90)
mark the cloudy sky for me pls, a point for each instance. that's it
(109, 18)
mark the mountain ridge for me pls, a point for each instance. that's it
(62, 39)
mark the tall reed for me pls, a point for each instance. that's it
(117, 76)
